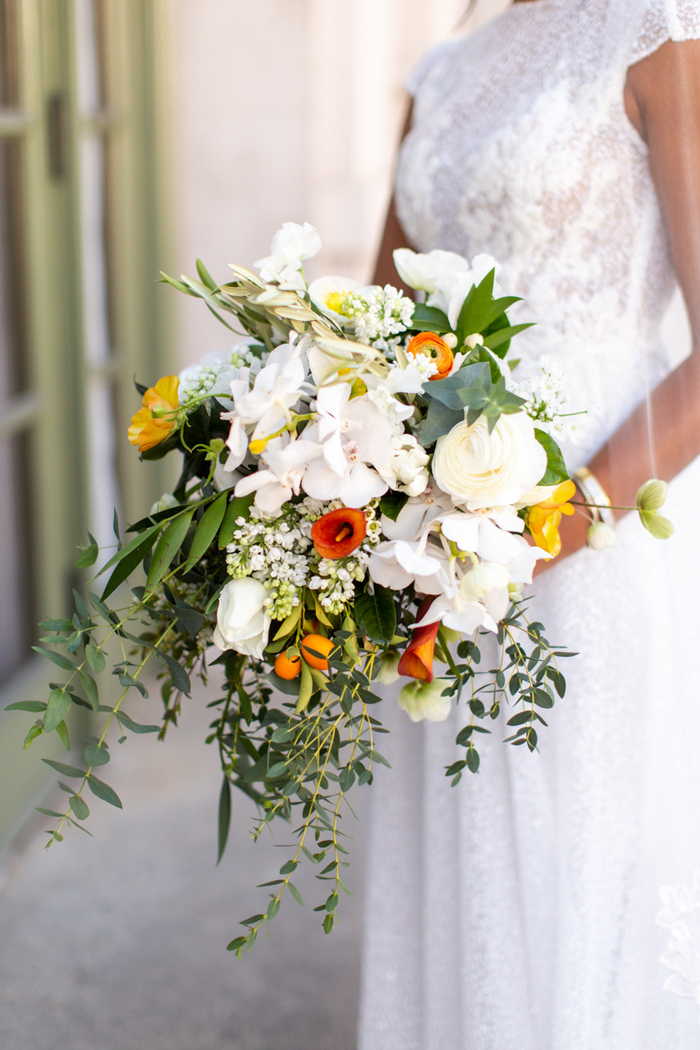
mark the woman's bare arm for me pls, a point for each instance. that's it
(393, 236)
(662, 99)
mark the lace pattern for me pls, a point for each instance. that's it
(517, 911)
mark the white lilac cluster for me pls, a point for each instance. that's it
(275, 553)
(547, 405)
(213, 374)
(334, 581)
(380, 315)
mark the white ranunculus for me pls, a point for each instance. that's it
(481, 470)
(424, 700)
(329, 293)
(290, 246)
(424, 271)
(408, 462)
(242, 620)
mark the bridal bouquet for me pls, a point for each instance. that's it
(365, 492)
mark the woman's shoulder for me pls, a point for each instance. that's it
(655, 22)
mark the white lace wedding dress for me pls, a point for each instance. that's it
(518, 911)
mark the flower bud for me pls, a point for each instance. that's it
(601, 536)
(474, 340)
(424, 700)
(166, 502)
(450, 339)
(389, 668)
(659, 526)
(652, 495)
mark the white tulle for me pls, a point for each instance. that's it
(518, 910)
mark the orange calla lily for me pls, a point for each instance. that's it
(417, 660)
(157, 417)
(544, 518)
(432, 346)
(339, 532)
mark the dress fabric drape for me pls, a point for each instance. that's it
(518, 910)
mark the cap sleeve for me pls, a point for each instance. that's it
(429, 66)
(659, 21)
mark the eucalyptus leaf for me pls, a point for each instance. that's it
(57, 708)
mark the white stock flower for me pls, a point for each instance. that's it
(481, 470)
(286, 465)
(423, 271)
(408, 462)
(242, 620)
(290, 246)
(424, 700)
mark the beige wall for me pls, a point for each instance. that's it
(290, 110)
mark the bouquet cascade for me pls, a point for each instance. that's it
(365, 493)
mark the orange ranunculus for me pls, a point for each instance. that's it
(417, 660)
(339, 532)
(158, 415)
(544, 518)
(431, 345)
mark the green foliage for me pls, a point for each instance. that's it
(556, 467)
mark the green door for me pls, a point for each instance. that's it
(83, 234)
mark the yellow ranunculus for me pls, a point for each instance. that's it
(157, 417)
(544, 518)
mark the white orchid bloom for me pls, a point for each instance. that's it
(423, 271)
(344, 471)
(417, 514)
(478, 534)
(290, 246)
(277, 388)
(286, 462)
(237, 442)
(381, 392)
(399, 563)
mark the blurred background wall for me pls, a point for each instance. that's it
(290, 110)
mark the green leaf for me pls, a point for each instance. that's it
(79, 807)
(64, 770)
(57, 658)
(475, 308)
(428, 319)
(181, 680)
(34, 732)
(473, 760)
(57, 708)
(62, 730)
(89, 555)
(224, 816)
(206, 277)
(96, 755)
(91, 691)
(556, 467)
(288, 686)
(439, 420)
(207, 529)
(295, 893)
(272, 909)
(130, 562)
(376, 615)
(504, 335)
(135, 727)
(306, 687)
(237, 944)
(275, 771)
(131, 546)
(104, 791)
(167, 547)
(96, 658)
(328, 923)
(49, 812)
(239, 507)
(393, 503)
(35, 706)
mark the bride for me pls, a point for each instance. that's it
(521, 910)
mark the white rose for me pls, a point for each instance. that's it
(424, 700)
(408, 462)
(482, 470)
(242, 620)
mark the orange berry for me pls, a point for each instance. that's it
(312, 644)
(287, 667)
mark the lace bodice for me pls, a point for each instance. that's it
(521, 148)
